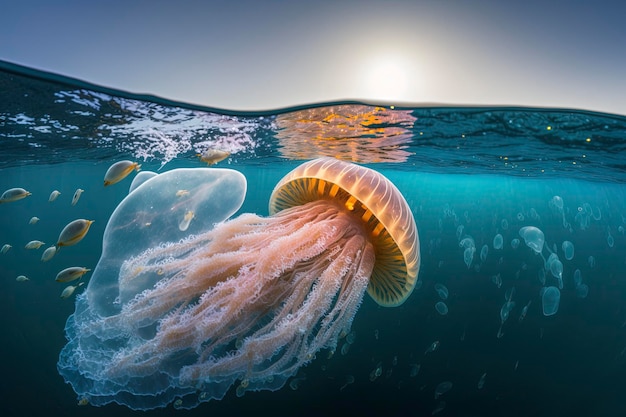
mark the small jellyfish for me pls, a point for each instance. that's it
(433, 347)
(481, 381)
(578, 279)
(442, 388)
(5, 248)
(505, 310)
(568, 250)
(556, 203)
(184, 223)
(69, 290)
(48, 253)
(33, 220)
(533, 237)
(54, 195)
(610, 241)
(550, 300)
(34, 244)
(376, 334)
(508, 295)
(442, 291)
(459, 231)
(582, 290)
(72, 273)
(119, 170)
(520, 216)
(592, 261)
(77, 194)
(345, 348)
(468, 256)
(213, 156)
(533, 214)
(376, 372)
(524, 312)
(347, 381)
(498, 241)
(504, 224)
(441, 308)
(22, 278)
(13, 194)
(440, 407)
(497, 280)
(414, 369)
(515, 243)
(483, 253)
(74, 232)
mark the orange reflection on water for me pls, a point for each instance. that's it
(356, 133)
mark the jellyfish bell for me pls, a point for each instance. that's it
(178, 317)
(533, 237)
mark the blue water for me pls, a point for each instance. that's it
(465, 172)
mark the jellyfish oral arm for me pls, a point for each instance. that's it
(253, 301)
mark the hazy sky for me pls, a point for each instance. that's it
(266, 54)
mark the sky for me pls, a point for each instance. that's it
(271, 54)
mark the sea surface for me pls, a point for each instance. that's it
(493, 328)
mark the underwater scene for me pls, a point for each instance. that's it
(160, 258)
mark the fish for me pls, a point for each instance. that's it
(118, 171)
(14, 194)
(77, 194)
(213, 156)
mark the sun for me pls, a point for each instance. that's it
(385, 78)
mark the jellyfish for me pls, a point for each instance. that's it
(140, 178)
(533, 237)
(568, 249)
(442, 291)
(441, 308)
(173, 317)
(498, 241)
(550, 299)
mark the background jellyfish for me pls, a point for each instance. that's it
(172, 317)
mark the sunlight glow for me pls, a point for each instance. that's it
(387, 77)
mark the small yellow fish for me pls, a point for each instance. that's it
(54, 195)
(213, 156)
(48, 253)
(69, 290)
(33, 220)
(13, 194)
(22, 278)
(119, 170)
(184, 223)
(74, 232)
(34, 244)
(77, 194)
(83, 401)
(181, 193)
(70, 274)
(5, 248)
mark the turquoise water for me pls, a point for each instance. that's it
(466, 173)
